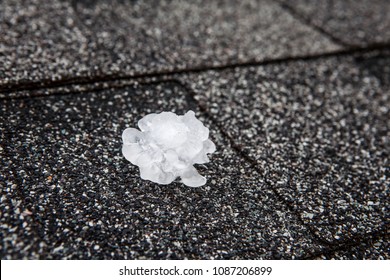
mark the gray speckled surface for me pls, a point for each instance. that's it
(69, 193)
(58, 40)
(301, 127)
(358, 23)
(321, 139)
(367, 250)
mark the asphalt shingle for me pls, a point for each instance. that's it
(319, 133)
(295, 93)
(356, 23)
(67, 191)
(66, 40)
(368, 250)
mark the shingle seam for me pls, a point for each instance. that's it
(67, 81)
(329, 246)
(253, 164)
(95, 87)
(306, 21)
(373, 237)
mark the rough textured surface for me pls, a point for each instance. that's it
(301, 128)
(67, 39)
(321, 139)
(359, 23)
(67, 191)
(368, 250)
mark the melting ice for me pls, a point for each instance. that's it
(167, 146)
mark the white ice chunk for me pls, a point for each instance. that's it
(155, 174)
(167, 147)
(132, 152)
(173, 162)
(198, 130)
(191, 148)
(209, 146)
(192, 178)
(132, 136)
(168, 131)
(145, 123)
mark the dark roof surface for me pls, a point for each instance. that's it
(56, 40)
(353, 23)
(296, 97)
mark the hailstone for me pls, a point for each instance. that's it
(167, 146)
